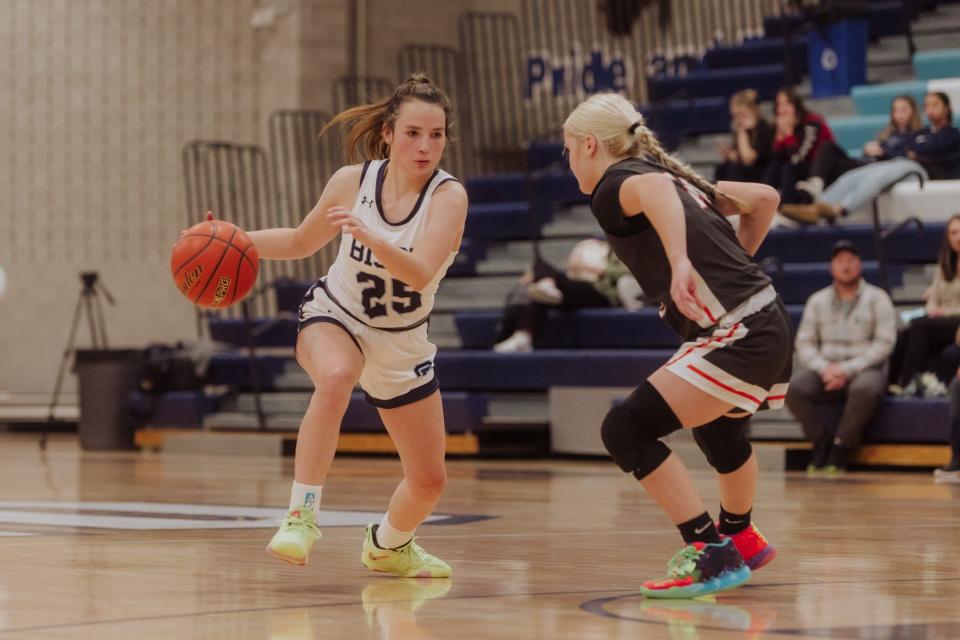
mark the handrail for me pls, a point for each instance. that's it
(880, 235)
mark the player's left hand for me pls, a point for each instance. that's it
(340, 217)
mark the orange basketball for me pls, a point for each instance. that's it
(214, 264)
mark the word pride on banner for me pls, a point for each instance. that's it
(576, 74)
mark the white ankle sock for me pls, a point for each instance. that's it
(390, 538)
(306, 495)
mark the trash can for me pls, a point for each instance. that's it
(106, 377)
(838, 57)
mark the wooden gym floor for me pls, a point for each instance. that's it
(107, 545)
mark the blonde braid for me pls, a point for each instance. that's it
(649, 143)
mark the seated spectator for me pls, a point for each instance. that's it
(799, 136)
(832, 161)
(747, 159)
(845, 337)
(937, 147)
(934, 152)
(951, 472)
(925, 338)
(594, 277)
(894, 141)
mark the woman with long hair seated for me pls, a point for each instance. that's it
(748, 157)
(893, 142)
(923, 340)
(799, 136)
(934, 152)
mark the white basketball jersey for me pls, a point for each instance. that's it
(363, 287)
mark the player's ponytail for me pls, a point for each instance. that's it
(363, 125)
(619, 127)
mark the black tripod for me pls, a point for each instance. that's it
(89, 300)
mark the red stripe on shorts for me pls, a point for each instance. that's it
(683, 355)
(723, 386)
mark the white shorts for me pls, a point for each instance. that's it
(397, 365)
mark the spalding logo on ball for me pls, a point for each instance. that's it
(214, 264)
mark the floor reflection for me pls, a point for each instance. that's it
(391, 605)
(689, 619)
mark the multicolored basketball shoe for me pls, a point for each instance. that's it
(700, 569)
(753, 546)
(297, 533)
(408, 561)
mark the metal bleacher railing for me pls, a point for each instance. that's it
(882, 233)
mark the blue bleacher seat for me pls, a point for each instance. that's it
(765, 79)
(875, 99)
(502, 221)
(799, 281)
(540, 370)
(853, 132)
(900, 420)
(232, 369)
(465, 264)
(886, 18)
(768, 50)
(462, 413)
(814, 243)
(268, 332)
(674, 118)
(557, 188)
(289, 293)
(775, 26)
(502, 187)
(584, 329)
(543, 154)
(941, 63)
(178, 409)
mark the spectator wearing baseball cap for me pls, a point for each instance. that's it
(845, 337)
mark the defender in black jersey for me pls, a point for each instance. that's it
(669, 226)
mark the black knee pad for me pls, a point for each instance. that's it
(724, 441)
(632, 430)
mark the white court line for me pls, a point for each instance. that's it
(148, 516)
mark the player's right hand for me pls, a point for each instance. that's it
(683, 290)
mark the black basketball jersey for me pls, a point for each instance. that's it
(728, 275)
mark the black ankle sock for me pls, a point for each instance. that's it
(731, 523)
(700, 529)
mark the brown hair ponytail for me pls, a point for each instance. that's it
(363, 125)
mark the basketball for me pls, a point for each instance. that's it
(214, 264)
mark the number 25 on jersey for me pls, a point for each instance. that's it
(374, 296)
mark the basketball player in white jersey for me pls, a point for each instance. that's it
(401, 220)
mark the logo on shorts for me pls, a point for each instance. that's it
(423, 368)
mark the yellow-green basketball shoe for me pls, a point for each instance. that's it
(297, 533)
(408, 561)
